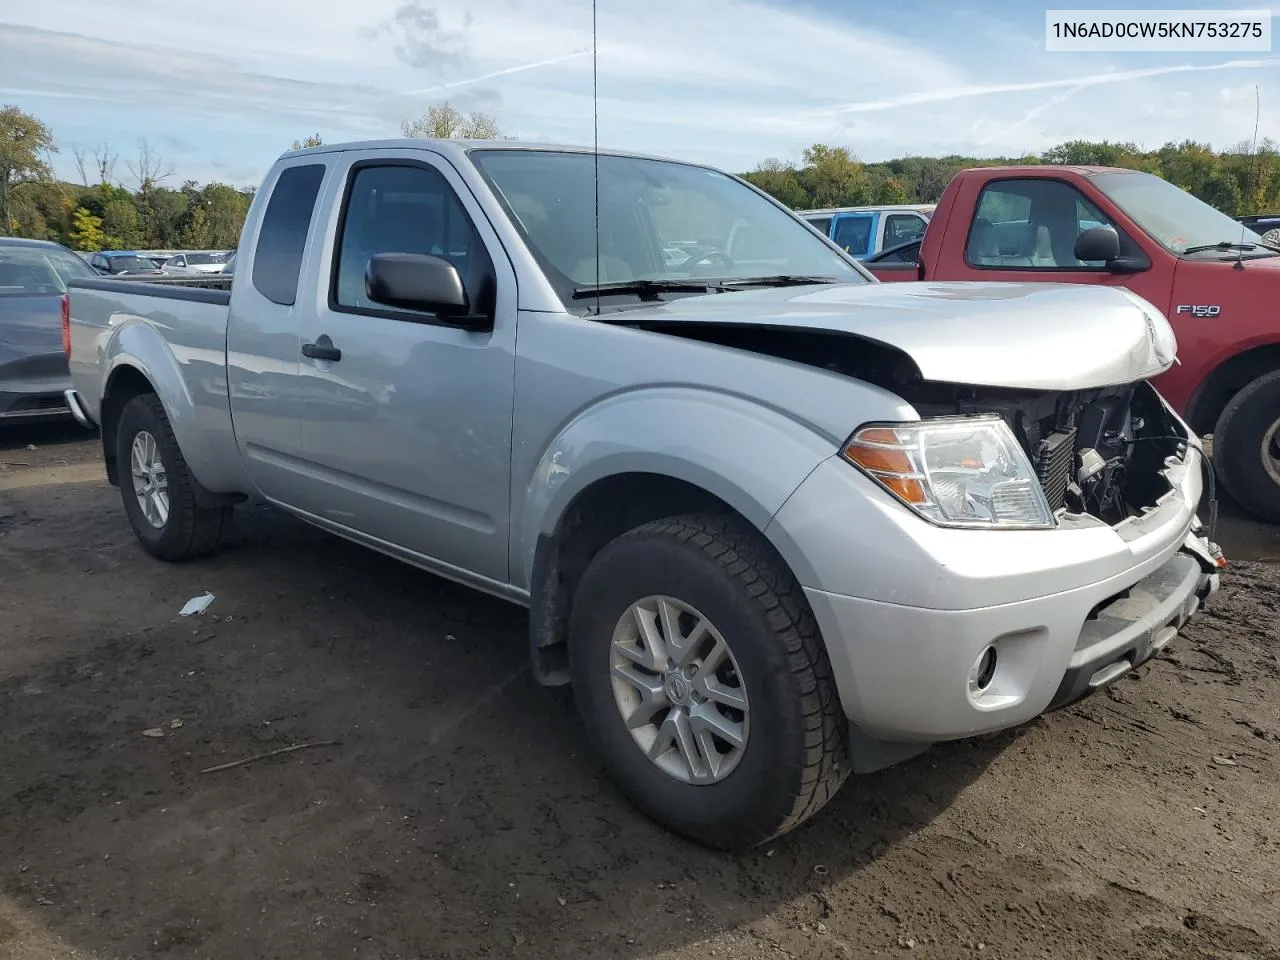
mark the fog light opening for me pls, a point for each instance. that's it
(983, 671)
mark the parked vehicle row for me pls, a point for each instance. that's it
(1217, 281)
(773, 521)
(116, 263)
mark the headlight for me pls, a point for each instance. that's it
(962, 472)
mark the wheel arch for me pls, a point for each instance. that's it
(1215, 391)
(128, 379)
(597, 514)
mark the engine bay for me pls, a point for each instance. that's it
(1098, 452)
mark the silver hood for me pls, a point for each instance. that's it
(1038, 336)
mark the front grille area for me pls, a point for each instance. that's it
(1054, 457)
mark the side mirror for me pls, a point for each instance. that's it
(1098, 243)
(419, 281)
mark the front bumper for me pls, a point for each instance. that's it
(912, 614)
(912, 670)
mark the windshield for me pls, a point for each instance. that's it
(121, 264)
(660, 221)
(36, 271)
(1174, 218)
(202, 258)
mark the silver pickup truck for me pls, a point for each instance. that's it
(775, 522)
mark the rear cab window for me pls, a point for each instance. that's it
(282, 236)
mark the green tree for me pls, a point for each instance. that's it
(86, 231)
(780, 181)
(225, 207)
(311, 141)
(196, 233)
(122, 224)
(832, 177)
(1223, 192)
(891, 190)
(24, 140)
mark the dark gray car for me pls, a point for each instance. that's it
(33, 296)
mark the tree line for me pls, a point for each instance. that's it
(101, 212)
(1238, 181)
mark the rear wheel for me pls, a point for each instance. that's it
(157, 487)
(703, 683)
(1246, 447)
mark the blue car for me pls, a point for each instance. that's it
(864, 231)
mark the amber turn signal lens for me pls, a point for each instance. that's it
(889, 464)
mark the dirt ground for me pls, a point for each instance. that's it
(448, 809)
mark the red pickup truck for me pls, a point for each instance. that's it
(1214, 278)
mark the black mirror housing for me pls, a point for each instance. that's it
(1098, 243)
(417, 281)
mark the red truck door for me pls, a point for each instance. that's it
(1024, 228)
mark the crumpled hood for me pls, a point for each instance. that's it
(1038, 336)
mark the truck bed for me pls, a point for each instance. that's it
(175, 332)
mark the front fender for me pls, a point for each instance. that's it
(751, 456)
(134, 343)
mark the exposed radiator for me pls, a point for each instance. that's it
(1054, 458)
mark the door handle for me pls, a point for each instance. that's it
(322, 349)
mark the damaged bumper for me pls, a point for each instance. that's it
(942, 634)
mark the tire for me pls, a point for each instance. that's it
(188, 530)
(1246, 447)
(795, 755)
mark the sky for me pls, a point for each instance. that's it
(220, 89)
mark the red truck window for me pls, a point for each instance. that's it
(1031, 224)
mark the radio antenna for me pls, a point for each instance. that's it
(1253, 169)
(595, 141)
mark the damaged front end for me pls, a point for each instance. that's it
(1104, 453)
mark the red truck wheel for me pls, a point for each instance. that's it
(1246, 447)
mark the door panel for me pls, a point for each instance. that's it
(407, 437)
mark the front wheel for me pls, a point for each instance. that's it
(1246, 447)
(158, 489)
(703, 682)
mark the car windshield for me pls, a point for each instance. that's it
(1174, 218)
(120, 264)
(661, 222)
(36, 271)
(202, 258)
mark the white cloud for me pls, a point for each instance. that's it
(724, 81)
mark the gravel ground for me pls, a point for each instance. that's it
(447, 807)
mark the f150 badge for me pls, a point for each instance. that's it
(1200, 309)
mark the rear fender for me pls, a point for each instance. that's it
(135, 345)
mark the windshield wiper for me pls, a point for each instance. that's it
(778, 280)
(1221, 245)
(643, 287)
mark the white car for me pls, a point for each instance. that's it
(193, 264)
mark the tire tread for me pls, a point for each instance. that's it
(740, 552)
(200, 530)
